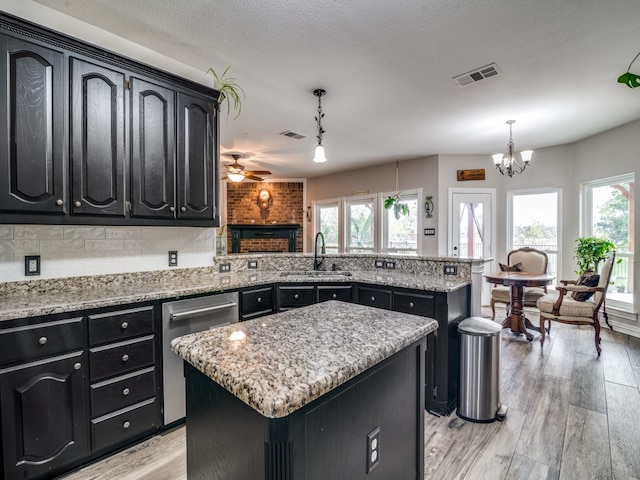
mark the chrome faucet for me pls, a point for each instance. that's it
(316, 262)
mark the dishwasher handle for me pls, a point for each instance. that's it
(196, 311)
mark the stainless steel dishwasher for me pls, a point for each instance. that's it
(180, 318)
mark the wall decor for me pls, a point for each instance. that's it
(428, 206)
(474, 174)
(264, 199)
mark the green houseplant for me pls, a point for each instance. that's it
(590, 251)
(395, 202)
(230, 92)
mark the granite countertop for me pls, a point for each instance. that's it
(282, 362)
(82, 294)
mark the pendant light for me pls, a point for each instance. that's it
(509, 164)
(319, 156)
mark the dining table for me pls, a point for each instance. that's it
(517, 281)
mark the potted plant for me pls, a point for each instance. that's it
(230, 91)
(590, 251)
(395, 202)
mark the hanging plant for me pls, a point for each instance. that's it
(395, 201)
(230, 91)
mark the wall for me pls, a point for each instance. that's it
(286, 207)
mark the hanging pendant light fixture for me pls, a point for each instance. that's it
(509, 164)
(319, 156)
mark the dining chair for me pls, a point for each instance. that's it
(566, 308)
(530, 260)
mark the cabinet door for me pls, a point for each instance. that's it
(197, 165)
(375, 297)
(97, 139)
(45, 424)
(152, 150)
(31, 128)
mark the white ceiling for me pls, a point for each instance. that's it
(388, 66)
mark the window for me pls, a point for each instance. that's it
(400, 235)
(533, 222)
(607, 213)
(361, 224)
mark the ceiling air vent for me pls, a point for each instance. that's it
(291, 134)
(476, 75)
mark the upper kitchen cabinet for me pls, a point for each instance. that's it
(90, 137)
(96, 127)
(32, 178)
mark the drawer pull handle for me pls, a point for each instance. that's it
(125, 392)
(259, 300)
(125, 357)
(373, 299)
(59, 202)
(172, 209)
(296, 296)
(124, 325)
(411, 304)
(183, 209)
(77, 366)
(77, 204)
(126, 424)
(334, 296)
(43, 340)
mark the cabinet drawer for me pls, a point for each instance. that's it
(118, 358)
(124, 425)
(259, 300)
(120, 325)
(40, 340)
(344, 293)
(416, 304)
(375, 297)
(298, 296)
(122, 392)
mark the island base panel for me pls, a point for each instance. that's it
(226, 439)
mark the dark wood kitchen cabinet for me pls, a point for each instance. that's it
(43, 400)
(133, 145)
(32, 162)
(257, 302)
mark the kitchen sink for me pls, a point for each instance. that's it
(315, 274)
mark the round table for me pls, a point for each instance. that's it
(516, 281)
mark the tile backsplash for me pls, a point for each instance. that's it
(68, 251)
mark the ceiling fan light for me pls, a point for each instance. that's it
(319, 156)
(235, 177)
(497, 158)
(526, 155)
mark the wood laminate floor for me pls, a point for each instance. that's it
(570, 416)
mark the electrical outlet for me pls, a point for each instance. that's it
(450, 269)
(173, 258)
(373, 449)
(253, 264)
(429, 231)
(390, 265)
(225, 267)
(31, 265)
(379, 264)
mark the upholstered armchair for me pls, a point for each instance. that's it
(569, 305)
(524, 259)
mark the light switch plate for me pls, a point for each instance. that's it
(31, 265)
(253, 264)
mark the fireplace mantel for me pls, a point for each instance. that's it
(262, 232)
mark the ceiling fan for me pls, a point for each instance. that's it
(237, 173)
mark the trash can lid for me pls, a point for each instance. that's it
(478, 326)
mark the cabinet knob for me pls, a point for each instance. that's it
(183, 209)
(125, 357)
(172, 209)
(77, 366)
(124, 325)
(334, 296)
(296, 296)
(373, 299)
(125, 392)
(77, 203)
(59, 202)
(259, 300)
(126, 424)
(43, 340)
(411, 305)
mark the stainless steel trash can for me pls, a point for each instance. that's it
(479, 399)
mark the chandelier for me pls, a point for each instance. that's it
(319, 156)
(509, 164)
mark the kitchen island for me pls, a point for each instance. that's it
(333, 390)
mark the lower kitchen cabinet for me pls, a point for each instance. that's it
(375, 296)
(295, 296)
(342, 292)
(256, 302)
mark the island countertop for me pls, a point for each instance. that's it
(279, 363)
